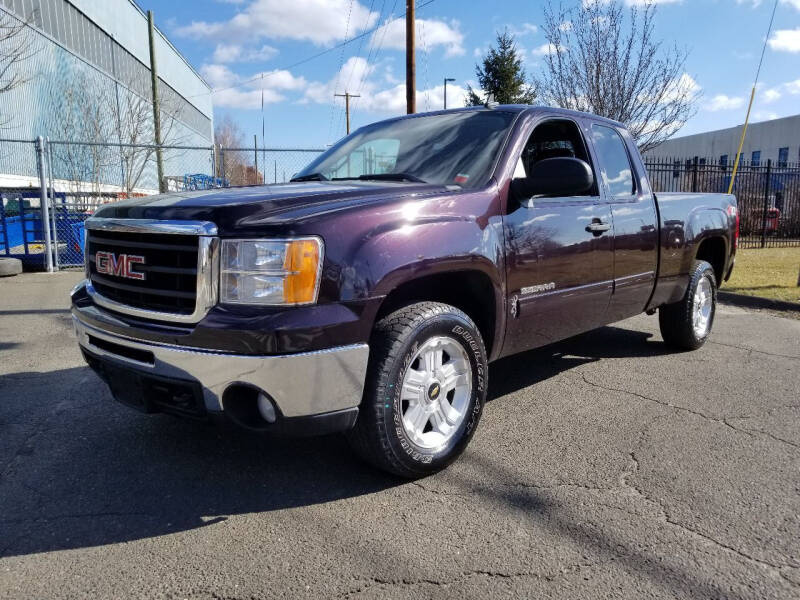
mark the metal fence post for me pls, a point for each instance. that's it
(766, 204)
(52, 195)
(694, 174)
(48, 246)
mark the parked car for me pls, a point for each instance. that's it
(369, 295)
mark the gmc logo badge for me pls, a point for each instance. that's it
(108, 263)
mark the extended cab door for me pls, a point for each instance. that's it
(624, 188)
(558, 250)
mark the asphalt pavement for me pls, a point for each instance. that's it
(606, 466)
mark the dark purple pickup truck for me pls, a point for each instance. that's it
(369, 294)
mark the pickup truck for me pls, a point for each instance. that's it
(370, 293)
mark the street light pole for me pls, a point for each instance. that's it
(446, 79)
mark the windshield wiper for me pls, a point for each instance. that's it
(309, 177)
(391, 177)
(383, 177)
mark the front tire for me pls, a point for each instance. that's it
(425, 391)
(686, 324)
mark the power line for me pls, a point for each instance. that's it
(752, 97)
(339, 70)
(305, 60)
(379, 46)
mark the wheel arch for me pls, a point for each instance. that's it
(714, 250)
(469, 290)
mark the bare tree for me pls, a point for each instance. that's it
(133, 120)
(82, 128)
(233, 165)
(606, 60)
(16, 47)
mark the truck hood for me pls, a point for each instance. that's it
(235, 210)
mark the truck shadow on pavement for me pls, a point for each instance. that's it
(78, 470)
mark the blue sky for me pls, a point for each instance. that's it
(233, 42)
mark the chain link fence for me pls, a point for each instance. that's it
(256, 166)
(50, 187)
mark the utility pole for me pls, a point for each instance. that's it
(347, 96)
(411, 68)
(156, 106)
(446, 79)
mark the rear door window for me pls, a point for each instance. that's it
(615, 165)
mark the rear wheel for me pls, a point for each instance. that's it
(687, 324)
(425, 391)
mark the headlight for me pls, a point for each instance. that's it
(271, 271)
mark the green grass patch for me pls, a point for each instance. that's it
(766, 272)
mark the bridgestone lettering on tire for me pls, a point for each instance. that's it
(686, 324)
(425, 391)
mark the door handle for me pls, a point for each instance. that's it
(597, 227)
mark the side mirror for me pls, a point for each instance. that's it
(554, 177)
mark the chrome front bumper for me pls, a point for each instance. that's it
(303, 384)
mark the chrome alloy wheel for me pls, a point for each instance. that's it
(437, 387)
(701, 307)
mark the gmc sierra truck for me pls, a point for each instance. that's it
(369, 294)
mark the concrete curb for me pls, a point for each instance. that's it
(757, 302)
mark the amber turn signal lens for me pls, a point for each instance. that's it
(302, 264)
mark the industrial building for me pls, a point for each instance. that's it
(777, 140)
(87, 80)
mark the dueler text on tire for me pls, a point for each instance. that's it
(687, 324)
(426, 387)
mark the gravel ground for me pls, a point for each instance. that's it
(605, 466)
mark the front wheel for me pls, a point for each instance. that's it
(687, 324)
(426, 386)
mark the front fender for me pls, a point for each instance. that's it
(424, 238)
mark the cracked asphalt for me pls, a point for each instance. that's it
(605, 466)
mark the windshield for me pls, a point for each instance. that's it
(452, 148)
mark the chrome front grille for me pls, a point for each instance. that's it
(175, 274)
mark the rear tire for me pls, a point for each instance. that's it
(686, 325)
(425, 390)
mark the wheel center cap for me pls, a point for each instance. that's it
(434, 391)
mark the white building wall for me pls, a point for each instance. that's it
(127, 24)
(767, 137)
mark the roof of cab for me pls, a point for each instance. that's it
(516, 108)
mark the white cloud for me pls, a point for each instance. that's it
(587, 3)
(793, 87)
(349, 78)
(786, 40)
(318, 21)
(521, 30)
(547, 50)
(430, 33)
(248, 95)
(757, 3)
(393, 100)
(681, 87)
(760, 115)
(771, 95)
(374, 98)
(231, 53)
(723, 102)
